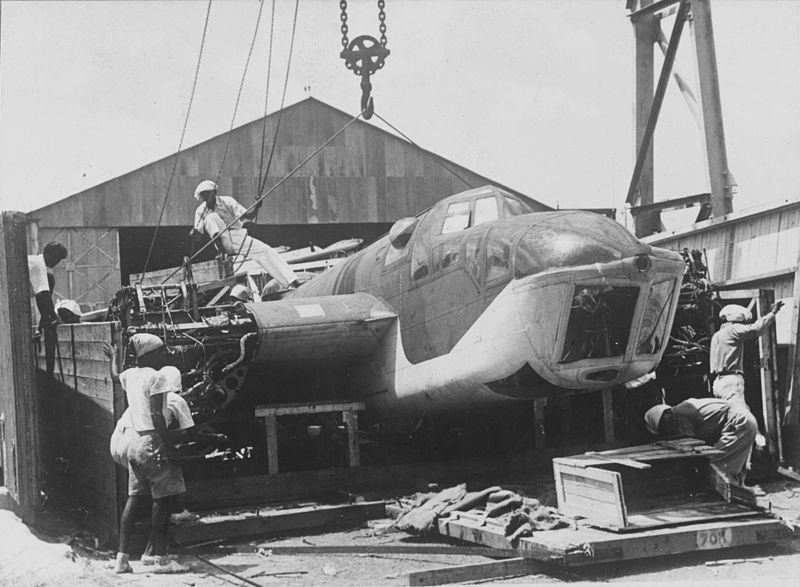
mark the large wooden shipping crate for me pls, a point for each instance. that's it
(80, 405)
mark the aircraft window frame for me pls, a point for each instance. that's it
(507, 248)
(476, 221)
(448, 215)
(660, 323)
(396, 257)
(475, 268)
(509, 205)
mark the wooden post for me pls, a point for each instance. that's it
(645, 30)
(608, 415)
(271, 425)
(720, 178)
(766, 349)
(18, 399)
(351, 422)
(539, 404)
(791, 414)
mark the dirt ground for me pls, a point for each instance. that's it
(57, 554)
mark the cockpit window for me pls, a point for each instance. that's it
(457, 217)
(514, 207)
(656, 314)
(498, 259)
(485, 210)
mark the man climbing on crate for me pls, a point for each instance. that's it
(220, 217)
(42, 289)
(151, 470)
(727, 349)
(727, 426)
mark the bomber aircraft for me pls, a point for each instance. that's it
(476, 301)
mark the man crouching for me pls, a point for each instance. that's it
(724, 425)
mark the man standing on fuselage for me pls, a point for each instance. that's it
(213, 217)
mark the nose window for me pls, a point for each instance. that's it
(599, 322)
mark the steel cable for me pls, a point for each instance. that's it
(272, 189)
(241, 88)
(180, 143)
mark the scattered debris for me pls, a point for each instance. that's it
(520, 515)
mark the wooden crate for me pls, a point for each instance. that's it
(656, 485)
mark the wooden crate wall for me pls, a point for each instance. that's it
(80, 406)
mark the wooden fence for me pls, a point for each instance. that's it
(80, 405)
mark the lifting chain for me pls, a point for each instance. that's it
(364, 55)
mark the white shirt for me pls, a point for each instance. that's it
(38, 272)
(175, 410)
(139, 384)
(226, 208)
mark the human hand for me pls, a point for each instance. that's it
(110, 351)
(776, 307)
(193, 233)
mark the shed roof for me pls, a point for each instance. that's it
(364, 175)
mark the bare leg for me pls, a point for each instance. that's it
(160, 525)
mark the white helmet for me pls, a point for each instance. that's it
(735, 313)
(241, 293)
(204, 186)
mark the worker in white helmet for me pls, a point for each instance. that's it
(240, 293)
(729, 427)
(215, 213)
(727, 344)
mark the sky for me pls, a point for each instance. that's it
(535, 94)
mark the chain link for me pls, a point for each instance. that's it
(382, 18)
(381, 27)
(345, 29)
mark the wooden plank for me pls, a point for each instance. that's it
(768, 372)
(307, 408)
(586, 545)
(627, 462)
(608, 415)
(476, 572)
(271, 427)
(391, 549)
(595, 494)
(351, 423)
(539, 405)
(280, 521)
(19, 404)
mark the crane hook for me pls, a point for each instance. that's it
(367, 103)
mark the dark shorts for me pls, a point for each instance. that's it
(150, 472)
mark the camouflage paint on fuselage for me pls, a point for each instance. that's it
(462, 253)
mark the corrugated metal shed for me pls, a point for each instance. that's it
(358, 185)
(364, 175)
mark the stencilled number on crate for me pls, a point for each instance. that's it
(717, 538)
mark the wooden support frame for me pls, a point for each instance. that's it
(645, 16)
(539, 405)
(270, 415)
(19, 404)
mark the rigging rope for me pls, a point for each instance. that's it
(435, 156)
(241, 87)
(266, 97)
(263, 179)
(180, 143)
(272, 189)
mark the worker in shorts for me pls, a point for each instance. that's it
(727, 426)
(220, 217)
(181, 428)
(151, 472)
